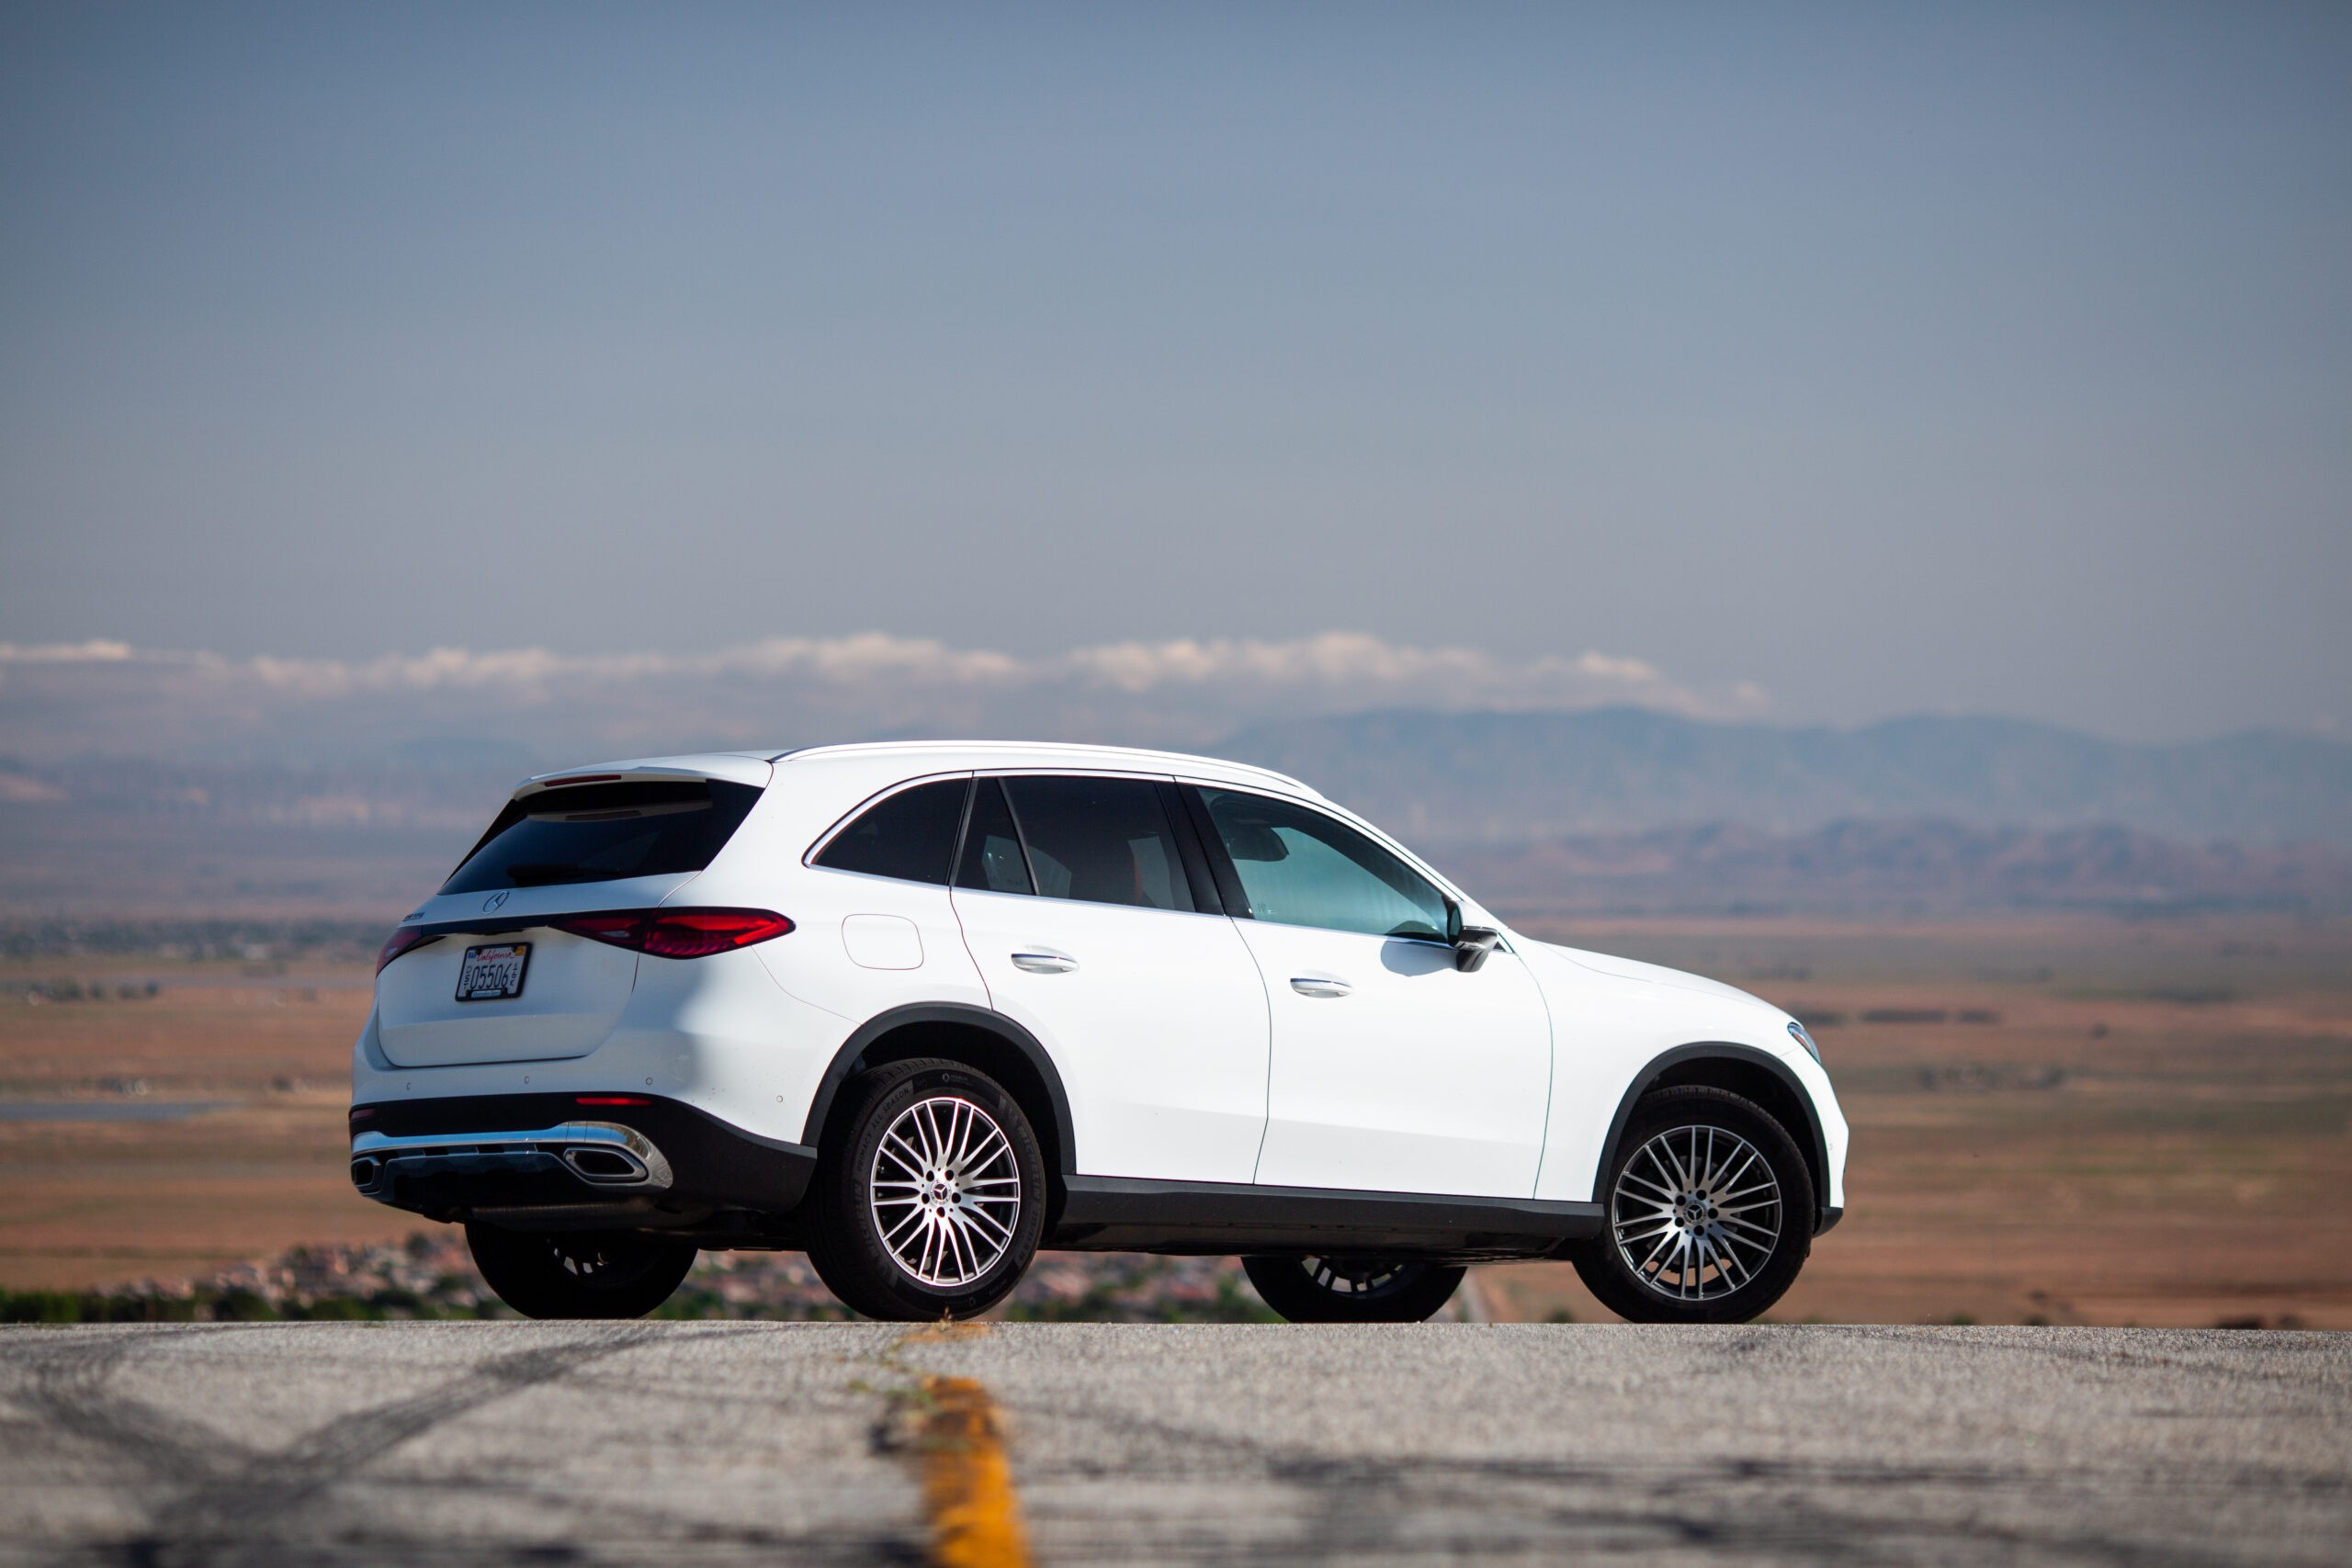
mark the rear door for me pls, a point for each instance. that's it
(1077, 903)
(1392, 1070)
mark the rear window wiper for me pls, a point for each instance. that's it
(539, 873)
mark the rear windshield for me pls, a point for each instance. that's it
(603, 833)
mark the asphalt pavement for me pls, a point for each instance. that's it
(456, 1443)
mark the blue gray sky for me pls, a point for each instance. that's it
(1857, 361)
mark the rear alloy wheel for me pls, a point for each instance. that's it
(930, 1200)
(1353, 1290)
(1710, 1212)
(577, 1273)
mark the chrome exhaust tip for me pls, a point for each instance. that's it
(607, 1164)
(364, 1171)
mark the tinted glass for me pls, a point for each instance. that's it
(910, 836)
(1100, 840)
(603, 832)
(1302, 868)
(992, 859)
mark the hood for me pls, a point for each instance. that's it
(1657, 974)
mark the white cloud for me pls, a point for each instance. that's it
(97, 650)
(106, 696)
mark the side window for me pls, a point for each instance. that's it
(1302, 868)
(992, 859)
(910, 836)
(1100, 842)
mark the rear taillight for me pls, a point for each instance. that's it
(677, 933)
(400, 942)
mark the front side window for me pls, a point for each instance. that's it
(910, 836)
(1302, 868)
(1099, 841)
(603, 833)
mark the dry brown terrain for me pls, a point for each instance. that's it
(98, 1203)
(2113, 1123)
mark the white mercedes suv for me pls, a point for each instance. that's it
(922, 1009)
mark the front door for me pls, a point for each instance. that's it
(1076, 905)
(1393, 1071)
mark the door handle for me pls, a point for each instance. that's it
(1045, 963)
(1320, 985)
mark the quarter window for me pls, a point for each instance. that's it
(1302, 868)
(1100, 840)
(910, 836)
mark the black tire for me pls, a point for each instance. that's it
(961, 1210)
(1353, 1290)
(578, 1273)
(1685, 1246)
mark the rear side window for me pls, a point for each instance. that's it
(1100, 840)
(910, 836)
(603, 833)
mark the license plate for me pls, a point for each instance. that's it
(493, 974)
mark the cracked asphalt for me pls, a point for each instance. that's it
(722, 1442)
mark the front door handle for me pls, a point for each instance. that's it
(1320, 985)
(1045, 963)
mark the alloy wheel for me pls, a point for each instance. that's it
(1696, 1213)
(944, 1191)
(1353, 1276)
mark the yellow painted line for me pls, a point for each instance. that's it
(968, 1480)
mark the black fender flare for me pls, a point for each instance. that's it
(1817, 1147)
(845, 1061)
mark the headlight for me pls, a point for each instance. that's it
(1797, 1034)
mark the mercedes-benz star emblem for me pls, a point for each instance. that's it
(495, 901)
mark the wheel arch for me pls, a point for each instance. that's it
(974, 1036)
(1744, 1070)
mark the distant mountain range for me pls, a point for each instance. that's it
(1599, 811)
(1878, 866)
(1500, 778)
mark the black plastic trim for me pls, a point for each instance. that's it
(1830, 1214)
(715, 1164)
(1207, 898)
(845, 1062)
(1229, 881)
(1114, 1213)
(1719, 1050)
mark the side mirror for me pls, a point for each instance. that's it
(1471, 946)
(1471, 943)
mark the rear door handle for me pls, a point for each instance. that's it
(1320, 985)
(1045, 963)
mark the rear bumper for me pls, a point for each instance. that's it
(546, 1161)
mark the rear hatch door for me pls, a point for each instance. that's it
(554, 851)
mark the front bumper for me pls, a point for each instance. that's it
(562, 1161)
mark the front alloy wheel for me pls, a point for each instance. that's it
(1710, 1213)
(1697, 1212)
